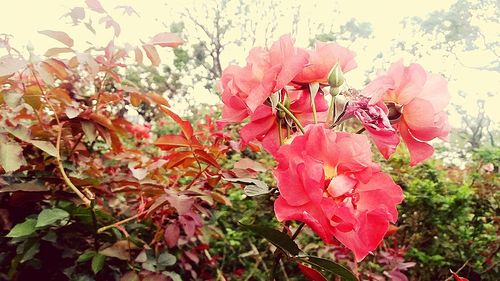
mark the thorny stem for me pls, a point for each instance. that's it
(292, 116)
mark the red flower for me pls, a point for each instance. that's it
(416, 101)
(266, 72)
(375, 121)
(321, 61)
(264, 126)
(328, 181)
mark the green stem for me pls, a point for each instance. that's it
(313, 105)
(290, 114)
(331, 111)
(280, 133)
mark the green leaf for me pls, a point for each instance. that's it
(166, 259)
(97, 263)
(22, 229)
(50, 216)
(330, 266)
(30, 251)
(86, 256)
(174, 276)
(51, 236)
(278, 238)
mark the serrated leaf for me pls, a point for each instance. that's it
(50, 216)
(276, 237)
(22, 229)
(330, 266)
(97, 263)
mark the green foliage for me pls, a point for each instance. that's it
(446, 220)
(23, 229)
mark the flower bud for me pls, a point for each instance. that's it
(336, 77)
(334, 91)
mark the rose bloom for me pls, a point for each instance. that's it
(321, 61)
(266, 72)
(416, 100)
(264, 124)
(327, 180)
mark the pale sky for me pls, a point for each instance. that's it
(23, 18)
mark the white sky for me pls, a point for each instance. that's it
(23, 18)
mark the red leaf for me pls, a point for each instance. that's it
(247, 163)
(171, 235)
(138, 55)
(95, 6)
(178, 158)
(59, 36)
(166, 39)
(102, 120)
(56, 68)
(152, 54)
(56, 51)
(172, 141)
(207, 158)
(186, 127)
(219, 198)
(311, 274)
(154, 97)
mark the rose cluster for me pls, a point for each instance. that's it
(325, 174)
